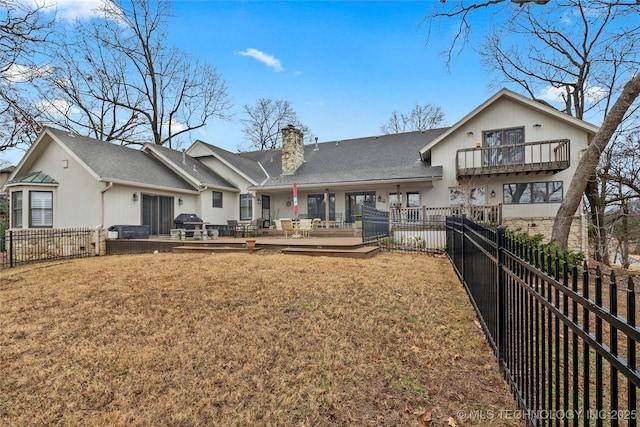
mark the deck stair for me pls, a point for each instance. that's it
(360, 252)
(320, 246)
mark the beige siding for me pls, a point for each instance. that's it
(506, 114)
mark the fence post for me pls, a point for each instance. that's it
(462, 238)
(501, 303)
(10, 249)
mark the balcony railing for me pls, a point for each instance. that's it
(540, 156)
(436, 217)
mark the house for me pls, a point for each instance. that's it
(510, 150)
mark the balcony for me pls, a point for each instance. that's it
(531, 157)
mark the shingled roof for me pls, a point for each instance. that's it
(191, 167)
(378, 158)
(113, 162)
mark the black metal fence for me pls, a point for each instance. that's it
(418, 229)
(566, 341)
(34, 245)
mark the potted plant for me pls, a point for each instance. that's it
(251, 243)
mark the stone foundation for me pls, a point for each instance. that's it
(39, 244)
(544, 225)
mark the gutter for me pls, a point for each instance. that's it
(339, 184)
(104, 190)
(150, 186)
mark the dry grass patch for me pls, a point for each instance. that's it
(239, 339)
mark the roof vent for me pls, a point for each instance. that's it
(316, 148)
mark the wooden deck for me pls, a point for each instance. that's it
(325, 245)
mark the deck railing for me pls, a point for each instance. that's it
(552, 155)
(419, 229)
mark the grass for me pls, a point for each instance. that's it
(242, 340)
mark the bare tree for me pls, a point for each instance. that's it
(263, 121)
(23, 29)
(592, 63)
(118, 79)
(421, 117)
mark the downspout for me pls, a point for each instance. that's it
(104, 190)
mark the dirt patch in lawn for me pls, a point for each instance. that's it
(240, 339)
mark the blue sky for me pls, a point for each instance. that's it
(345, 66)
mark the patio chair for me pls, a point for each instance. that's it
(287, 227)
(315, 224)
(236, 230)
(278, 224)
(338, 221)
(251, 230)
(305, 227)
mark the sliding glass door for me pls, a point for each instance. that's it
(355, 201)
(157, 213)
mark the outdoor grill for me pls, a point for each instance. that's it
(187, 217)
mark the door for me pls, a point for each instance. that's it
(157, 213)
(497, 155)
(265, 201)
(354, 203)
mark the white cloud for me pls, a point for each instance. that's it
(57, 107)
(21, 73)
(552, 94)
(176, 126)
(265, 58)
(71, 9)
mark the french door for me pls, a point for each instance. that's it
(354, 203)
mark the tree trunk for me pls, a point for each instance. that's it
(589, 162)
(599, 233)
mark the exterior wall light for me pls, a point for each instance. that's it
(135, 197)
(180, 201)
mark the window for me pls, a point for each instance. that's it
(16, 209)
(246, 207)
(41, 209)
(503, 155)
(533, 192)
(458, 197)
(413, 200)
(316, 206)
(217, 199)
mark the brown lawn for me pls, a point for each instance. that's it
(243, 340)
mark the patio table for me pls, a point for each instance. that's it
(199, 229)
(296, 229)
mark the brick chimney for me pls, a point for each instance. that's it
(292, 149)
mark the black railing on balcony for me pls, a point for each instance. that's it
(540, 156)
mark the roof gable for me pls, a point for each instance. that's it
(106, 161)
(242, 164)
(193, 170)
(508, 94)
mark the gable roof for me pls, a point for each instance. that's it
(241, 163)
(392, 157)
(109, 162)
(193, 170)
(509, 94)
